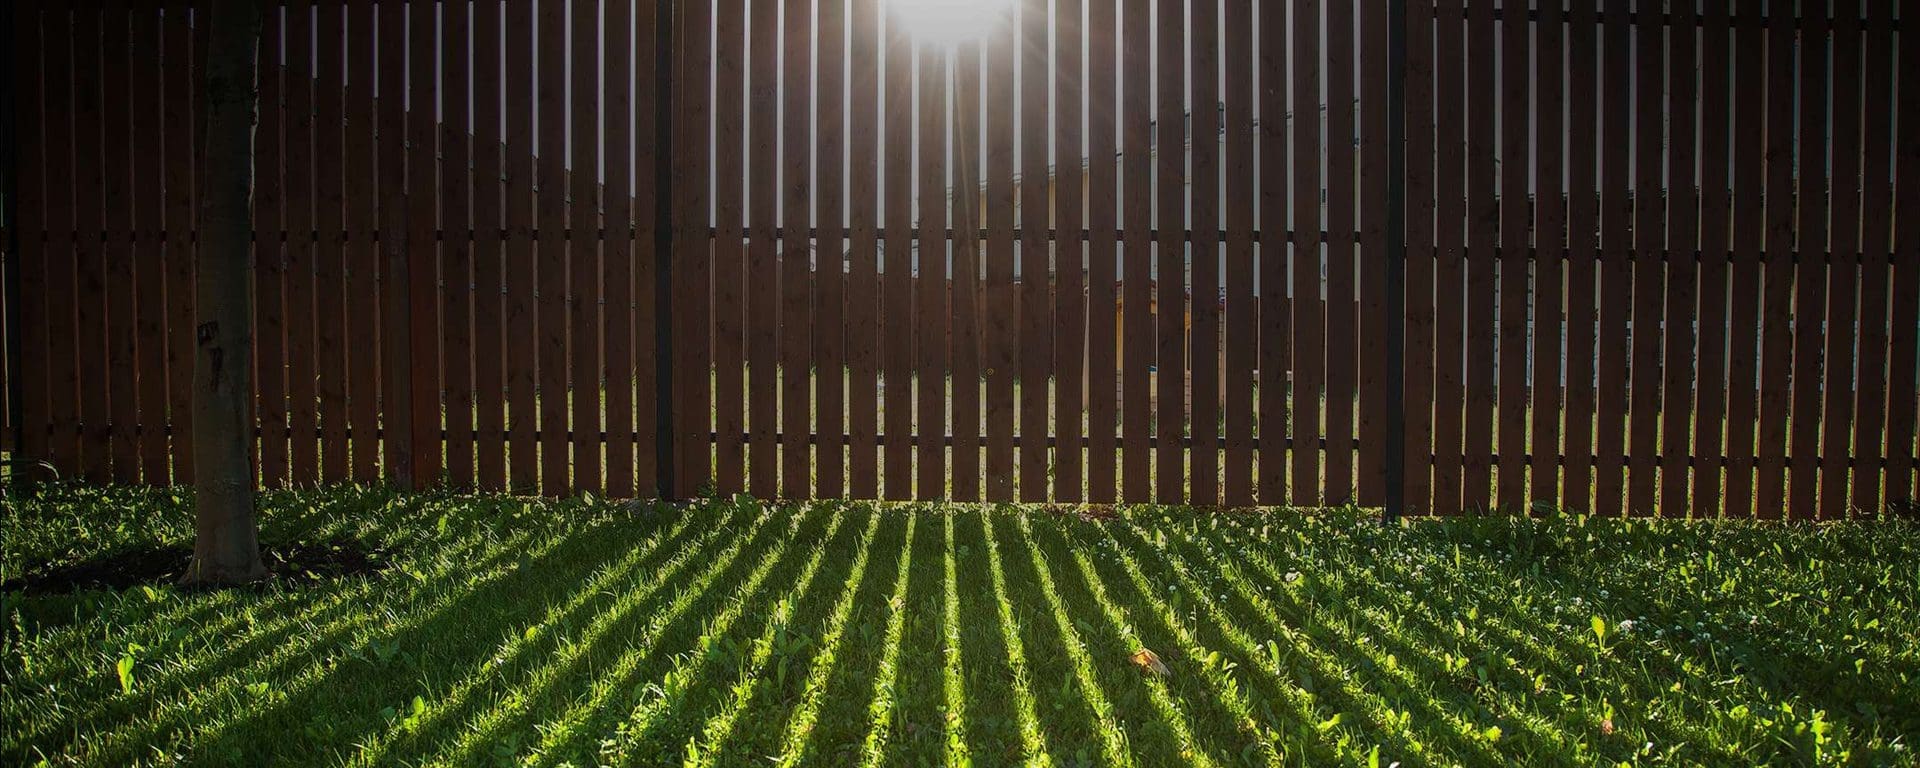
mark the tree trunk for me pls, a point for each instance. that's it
(226, 546)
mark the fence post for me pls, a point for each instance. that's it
(663, 396)
(1395, 458)
(10, 192)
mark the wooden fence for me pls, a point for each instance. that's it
(1655, 260)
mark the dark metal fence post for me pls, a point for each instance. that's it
(1396, 448)
(664, 24)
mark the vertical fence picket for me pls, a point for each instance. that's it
(269, 248)
(1683, 269)
(796, 91)
(149, 242)
(178, 82)
(303, 418)
(1514, 288)
(1905, 347)
(692, 266)
(1876, 206)
(364, 327)
(1583, 217)
(489, 249)
(762, 250)
(63, 401)
(863, 287)
(1776, 318)
(584, 227)
(1616, 265)
(1550, 245)
(618, 364)
(1309, 352)
(1842, 326)
(1035, 310)
(1242, 319)
(520, 313)
(460, 239)
(117, 246)
(1482, 256)
(930, 296)
(997, 336)
(1169, 133)
(1070, 291)
(1270, 393)
(1102, 317)
(1710, 403)
(37, 75)
(896, 321)
(1136, 325)
(830, 351)
(1204, 256)
(729, 272)
(551, 260)
(1342, 316)
(1450, 306)
(331, 240)
(966, 273)
(1748, 236)
(1420, 253)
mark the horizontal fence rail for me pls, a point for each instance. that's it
(1658, 259)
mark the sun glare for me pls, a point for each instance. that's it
(949, 22)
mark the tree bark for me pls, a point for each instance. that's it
(226, 546)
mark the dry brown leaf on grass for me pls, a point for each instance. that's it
(1149, 663)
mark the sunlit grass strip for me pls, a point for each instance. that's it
(270, 638)
(954, 674)
(719, 729)
(1225, 687)
(466, 749)
(1157, 692)
(1374, 707)
(118, 746)
(1113, 742)
(1024, 706)
(518, 646)
(649, 715)
(880, 705)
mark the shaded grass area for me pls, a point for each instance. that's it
(509, 631)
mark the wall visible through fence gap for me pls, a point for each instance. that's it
(1658, 261)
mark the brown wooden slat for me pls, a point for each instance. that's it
(521, 315)
(1137, 331)
(1375, 321)
(1342, 313)
(1420, 110)
(489, 249)
(1583, 207)
(1204, 258)
(551, 247)
(63, 387)
(329, 159)
(930, 305)
(270, 253)
(998, 336)
(395, 315)
(1550, 219)
(1309, 326)
(303, 418)
(1270, 397)
(692, 258)
(91, 236)
(796, 348)
(1750, 173)
(642, 143)
(1102, 323)
(150, 326)
(1483, 209)
(617, 252)
(364, 327)
(763, 288)
(863, 288)
(729, 271)
(1875, 259)
(1843, 300)
(1515, 222)
(1036, 312)
(1070, 291)
(1710, 404)
(1775, 330)
(178, 82)
(1170, 196)
(966, 273)
(583, 249)
(421, 454)
(1449, 322)
(459, 249)
(1810, 273)
(1616, 265)
(1683, 274)
(1241, 315)
(1650, 242)
(1905, 346)
(33, 135)
(830, 351)
(117, 183)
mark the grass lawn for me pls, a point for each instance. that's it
(510, 631)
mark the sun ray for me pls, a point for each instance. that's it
(1024, 704)
(652, 715)
(954, 672)
(795, 746)
(705, 568)
(1113, 744)
(880, 701)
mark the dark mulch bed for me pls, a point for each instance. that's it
(294, 563)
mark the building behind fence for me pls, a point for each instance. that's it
(455, 203)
